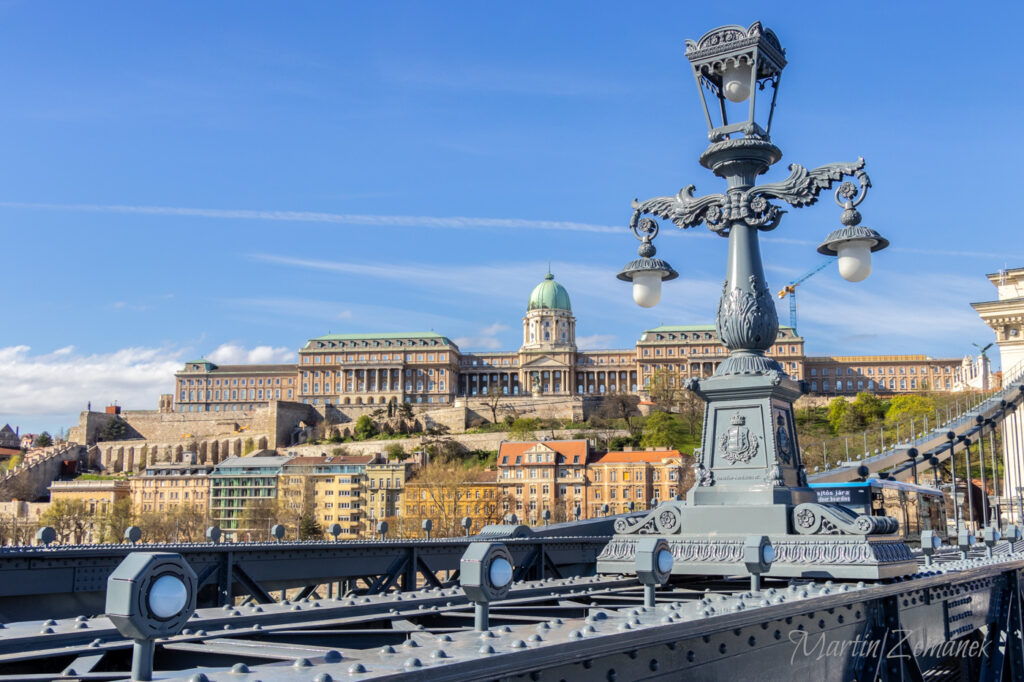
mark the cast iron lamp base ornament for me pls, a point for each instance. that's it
(749, 475)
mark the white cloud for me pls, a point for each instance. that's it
(48, 390)
(60, 384)
(234, 354)
(485, 339)
(595, 341)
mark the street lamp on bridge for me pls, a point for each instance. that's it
(750, 477)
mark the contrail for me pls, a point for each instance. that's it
(456, 222)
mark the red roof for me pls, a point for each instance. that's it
(570, 449)
(651, 456)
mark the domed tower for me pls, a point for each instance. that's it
(547, 360)
(549, 323)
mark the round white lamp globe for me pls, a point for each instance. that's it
(855, 259)
(167, 596)
(647, 287)
(500, 572)
(768, 554)
(736, 82)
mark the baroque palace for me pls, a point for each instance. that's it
(426, 367)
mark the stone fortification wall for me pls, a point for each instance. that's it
(31, 479)
(153, 425)
(566, 407)
(135, 455)
(159, 437)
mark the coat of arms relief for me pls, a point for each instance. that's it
(737, 442)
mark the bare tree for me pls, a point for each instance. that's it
(446, 483)
(495, 402)
(71, 519)
(257, 518)
(668, 390)
(621, 406)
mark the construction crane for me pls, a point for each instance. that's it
(790, 290)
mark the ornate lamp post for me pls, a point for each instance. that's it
(750, 477)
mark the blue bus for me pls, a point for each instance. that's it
(916, 507)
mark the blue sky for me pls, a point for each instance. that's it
(229, 179)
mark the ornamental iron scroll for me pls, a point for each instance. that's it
(751, 206)
(812, 518)
(665, 519)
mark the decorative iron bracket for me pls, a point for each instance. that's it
(751, 205)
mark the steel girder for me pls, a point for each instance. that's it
(957, 615)
(69, 581)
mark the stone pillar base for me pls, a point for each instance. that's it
(846, 557)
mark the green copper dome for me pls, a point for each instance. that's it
(550, 295)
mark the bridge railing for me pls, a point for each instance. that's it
(934, 442)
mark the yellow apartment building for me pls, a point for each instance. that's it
(538, 475)
(331, 488)
(99, 495)
(161, 488)
(385, 487)
(638, 477)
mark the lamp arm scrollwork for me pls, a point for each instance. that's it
(751, 206)
(685, 210)
(803, 186)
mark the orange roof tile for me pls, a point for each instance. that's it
(567, 448)
(636, 456)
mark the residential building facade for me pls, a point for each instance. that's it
(98, 495)
(538, 475)
(385, 490)
(638, 478)
(332, 489)
(167, 486)
(243, 495)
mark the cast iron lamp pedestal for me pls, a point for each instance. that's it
(749, 473)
